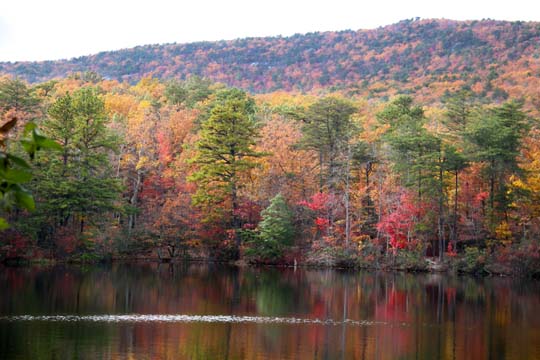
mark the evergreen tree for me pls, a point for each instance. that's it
(276, 225)
(415, 152)
(76, 187)
(276, 230)
(454, 163)
(459, 109)
(495, 136)
(328, 130)
(188, 93)
(16, 95)
(225, 153)
(417, 155)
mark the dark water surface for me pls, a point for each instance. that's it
(146, 311)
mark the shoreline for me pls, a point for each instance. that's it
(433, 268)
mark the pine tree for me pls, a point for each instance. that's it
(328, 130)
(76, 187)
(415, 152)
(276, 225)
(276, 230)
(496, 136)
(417, 155)
(225, 152)
(16, 95)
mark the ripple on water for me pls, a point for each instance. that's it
(141, 318)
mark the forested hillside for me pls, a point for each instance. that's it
(496, 59)
(379, 148)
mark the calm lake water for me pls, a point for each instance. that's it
(193, 311)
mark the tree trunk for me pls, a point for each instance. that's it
(321, 181)
(441, 209)
(347, 198)
(133, 201)
(492, 189)
(235, 219)
(454, 220)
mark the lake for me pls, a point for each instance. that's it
(202, 311)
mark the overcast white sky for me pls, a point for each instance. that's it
(55, 29)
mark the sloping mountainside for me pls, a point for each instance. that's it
(495, 58)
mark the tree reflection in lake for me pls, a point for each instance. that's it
(403, 316)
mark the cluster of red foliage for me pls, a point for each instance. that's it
(322, 205)
(399, 224)
(249, 213)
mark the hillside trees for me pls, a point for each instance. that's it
(373, 64)
(188, 93)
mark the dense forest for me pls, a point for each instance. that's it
(423, 58)
(95, 168)
(102, 169)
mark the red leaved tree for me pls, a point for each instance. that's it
(399, 225)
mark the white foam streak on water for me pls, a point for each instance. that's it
(139, 318)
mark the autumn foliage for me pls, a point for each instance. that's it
(186, 168)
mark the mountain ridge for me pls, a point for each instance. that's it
(408, 55)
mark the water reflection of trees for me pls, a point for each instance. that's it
(436, 316)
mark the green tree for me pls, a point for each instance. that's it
(328, 130)
(16, 95)
(276, 225)
(76, 187)
(276, 231)
(61, 124)
(460, 108)
(454, 163)
(415, 152)
(417, 155)
(189, 92)
(225, 153)
(496, 135)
